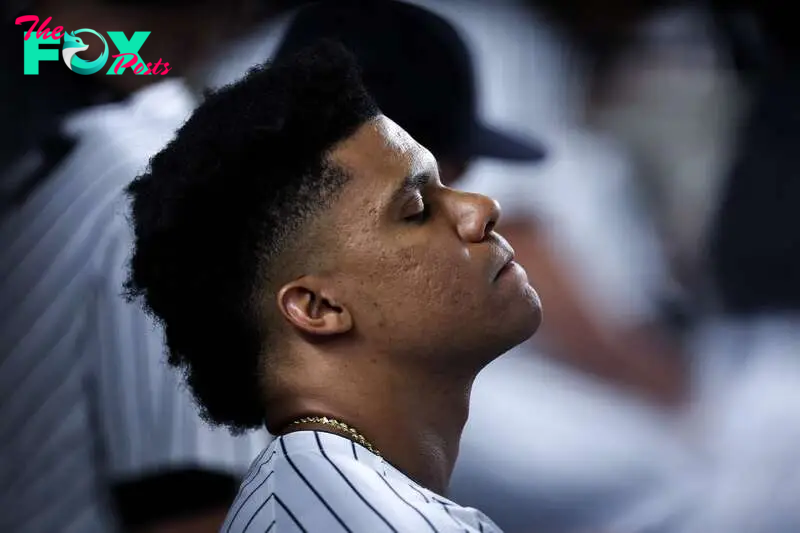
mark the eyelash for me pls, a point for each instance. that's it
(420, 217)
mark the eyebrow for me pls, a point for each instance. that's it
(410, 184)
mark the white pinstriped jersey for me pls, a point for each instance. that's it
(317, 482)
(86, 397)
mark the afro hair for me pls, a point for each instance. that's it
(215, 208)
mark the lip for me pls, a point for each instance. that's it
(509, 261)
(505, 268)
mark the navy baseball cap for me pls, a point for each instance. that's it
(418, 69)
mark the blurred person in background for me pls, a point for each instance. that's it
(536, 473)
(748, 341)
(748, 336)
(420, 74)
(707, 98)
(96, 432)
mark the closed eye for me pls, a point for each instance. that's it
(420, 216)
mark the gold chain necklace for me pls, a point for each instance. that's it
(341, 426)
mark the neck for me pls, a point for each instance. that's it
(416, 428)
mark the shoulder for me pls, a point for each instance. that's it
(121, 138)
(113, 145)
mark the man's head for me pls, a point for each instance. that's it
(290, 229)
(420, 72)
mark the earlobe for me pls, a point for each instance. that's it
(309, 307)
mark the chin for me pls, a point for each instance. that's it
(520, 309)
(506, 327)
(522, 317)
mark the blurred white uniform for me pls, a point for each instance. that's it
(748, 410)
(87, 397)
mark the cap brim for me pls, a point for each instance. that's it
(486, 141)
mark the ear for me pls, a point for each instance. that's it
(310, 305)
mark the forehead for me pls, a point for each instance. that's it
(380, 155)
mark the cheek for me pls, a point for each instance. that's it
(419, 287)
(421, 277)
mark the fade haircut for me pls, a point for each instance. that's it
(223, 201)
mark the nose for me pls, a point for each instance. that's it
(474, 215)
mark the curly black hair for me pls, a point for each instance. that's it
(218, 207)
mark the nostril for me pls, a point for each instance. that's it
(489, 227)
